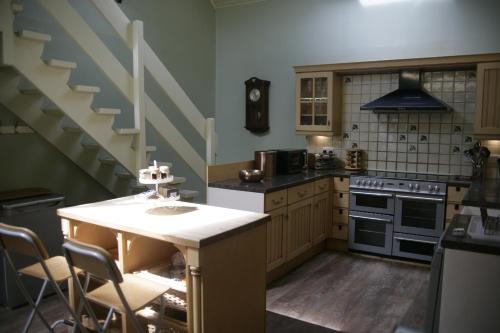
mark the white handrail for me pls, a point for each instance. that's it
(120, 22)
(81, 33)
(139, 95)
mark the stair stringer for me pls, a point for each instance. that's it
(53, 83)
(28, 109)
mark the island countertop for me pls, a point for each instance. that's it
(183, 223)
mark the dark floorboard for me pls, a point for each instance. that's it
(331, 292)
(352, 293)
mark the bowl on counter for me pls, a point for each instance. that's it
(251, 175)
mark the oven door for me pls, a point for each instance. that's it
(419, 215)
(413, 246)
(370, 232)
(371, 202)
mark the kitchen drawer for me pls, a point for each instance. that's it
(452, 209)
(456, 194)
(340, 215)
(321, 185)
(341, 184)
(275, 200)
(340, 199)
(300, 192)
(340, 231)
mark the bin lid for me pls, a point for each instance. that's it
(23, 193)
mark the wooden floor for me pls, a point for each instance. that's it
(351, 293)
(342, 292)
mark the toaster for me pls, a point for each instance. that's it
(321, 161)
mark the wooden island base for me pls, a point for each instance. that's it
(225, 262)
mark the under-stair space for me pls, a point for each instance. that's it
(52, 95)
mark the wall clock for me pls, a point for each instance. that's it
(257, 105)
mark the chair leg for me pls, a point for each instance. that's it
(35, 308)
(79, 308)
(76, 320)
(161, 313)
(27, 295)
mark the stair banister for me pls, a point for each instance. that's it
(139, 96)
(119, 21)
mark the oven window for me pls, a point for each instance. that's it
(371, 201)
(369, 232)
(418, 214)
(415, 247)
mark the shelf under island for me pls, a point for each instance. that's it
(221, 286)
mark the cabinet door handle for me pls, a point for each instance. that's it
(277, 202)
(328, 123)
(322, 187)
(302, 194)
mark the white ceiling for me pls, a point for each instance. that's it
(228, 3)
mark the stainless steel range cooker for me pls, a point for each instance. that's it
(397, 217)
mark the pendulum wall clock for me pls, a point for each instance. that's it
(257, 105)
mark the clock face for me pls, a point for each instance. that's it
(254, 95)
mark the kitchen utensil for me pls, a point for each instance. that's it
(265, 160)
(251, 175)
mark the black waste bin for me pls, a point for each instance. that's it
(35, 209)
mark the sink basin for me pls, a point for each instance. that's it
(476, 230)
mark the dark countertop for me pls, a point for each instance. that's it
(466, 243)
(485, 194)
(280, 182)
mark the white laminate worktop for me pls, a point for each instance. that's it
(187, 224)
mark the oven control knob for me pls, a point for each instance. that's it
(375, 184)
(436, 188)
(430, 188)
(381, 184)
(417, 187)
(369, 183)
(363, 182)
(410, 186)
(357, 181)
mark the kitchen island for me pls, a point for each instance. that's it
(224, 252)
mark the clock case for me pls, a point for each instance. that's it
(257, 113)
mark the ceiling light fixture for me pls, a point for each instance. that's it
(366, 3)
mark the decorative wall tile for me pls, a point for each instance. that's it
(413, 142)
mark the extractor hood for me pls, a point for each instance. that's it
(409, 97)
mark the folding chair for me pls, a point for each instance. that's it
(124, 294)
(52, 270)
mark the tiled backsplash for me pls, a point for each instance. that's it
(412, 142)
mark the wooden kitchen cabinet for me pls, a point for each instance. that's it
(454, 201)
(318, 103)
(276, 238)
(340, 211)
(321, 217)
(487, 124)
(299, 221)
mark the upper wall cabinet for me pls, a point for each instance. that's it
(318, 103)
(487, 124)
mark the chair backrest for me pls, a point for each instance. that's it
(92, 259)
(22, 240)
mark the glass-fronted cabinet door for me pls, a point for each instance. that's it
(314, 101)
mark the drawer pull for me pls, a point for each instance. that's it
(302, 194)
(415, 240)
(322, 187)
(277, 202)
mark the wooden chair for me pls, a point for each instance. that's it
(52, 270)
(125, 294)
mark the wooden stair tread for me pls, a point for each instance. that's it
(33, 35)
(17, 8)
(71, 129)
(124, 174)
(178, 180)
(85, 89)
(108, 160)
(53, 112)
(107, 111)
(60, 63)
(29, 91)
(90, 145)
(127, 131)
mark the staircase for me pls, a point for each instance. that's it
(37, 92)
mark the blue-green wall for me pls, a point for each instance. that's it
(268, 38)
